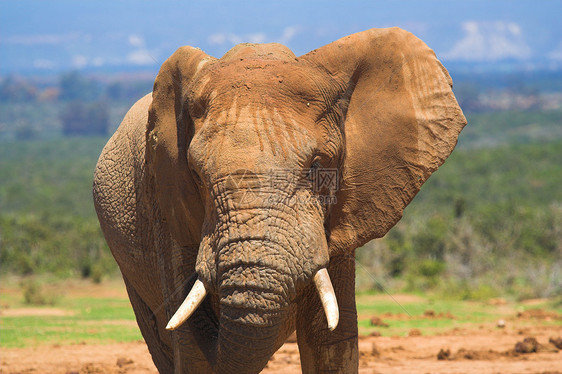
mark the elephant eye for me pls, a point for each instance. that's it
(314, 167)
(316, 162)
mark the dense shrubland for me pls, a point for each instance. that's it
(489, 222)
(47, 219)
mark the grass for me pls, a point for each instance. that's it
(402, 316)
(405, 315)
(76, 318)
(32, 331)
(101, 314)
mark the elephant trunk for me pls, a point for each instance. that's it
(254, 298)
(253, 261)
(243, 347)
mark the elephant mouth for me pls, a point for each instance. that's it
(198, 293)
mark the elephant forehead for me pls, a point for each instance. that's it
(271, 51)
(261, 81)
(240, 133)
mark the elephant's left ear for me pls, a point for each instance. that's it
(402, 122)
(169, 132)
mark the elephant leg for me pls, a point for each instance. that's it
(322, 350)
(162, 355)
(186, 359)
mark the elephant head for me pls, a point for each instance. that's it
(272, 164)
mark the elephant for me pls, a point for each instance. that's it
(234, 195)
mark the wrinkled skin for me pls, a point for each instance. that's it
(217, 176)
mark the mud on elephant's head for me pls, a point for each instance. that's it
(272, 164)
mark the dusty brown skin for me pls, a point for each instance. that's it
(183, 191)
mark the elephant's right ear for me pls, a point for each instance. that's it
(168, 135)
(401, 122)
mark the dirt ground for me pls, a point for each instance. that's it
(479, 350)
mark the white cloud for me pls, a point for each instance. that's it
(141, 57)
(556, 53)
(490, 41)
(514, 28)
(288, 34)
(470, 27)
(223, 38)
(98, 61)
(235, 39)
(136, 40)
(39, 39)
(42, 63)
(79, 61)
(217, 39)
(258, 37)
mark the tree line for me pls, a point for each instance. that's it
(83, 103)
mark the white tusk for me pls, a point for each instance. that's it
(189, 305)
(328, 297)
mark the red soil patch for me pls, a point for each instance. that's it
(539, 314)
(486, 350)
(35, 312)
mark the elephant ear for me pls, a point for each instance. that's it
(402, 122)
(168, 135)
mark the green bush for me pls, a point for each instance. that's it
(425, 275)
(34, 294)
(487, 223)
(47, 219)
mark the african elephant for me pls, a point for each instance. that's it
(241, 187)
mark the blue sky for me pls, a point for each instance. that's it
(41, 36)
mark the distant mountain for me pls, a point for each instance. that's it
(50, 37)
